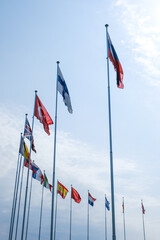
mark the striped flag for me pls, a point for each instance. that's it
(116, 63)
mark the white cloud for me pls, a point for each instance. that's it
(142, 20)
(77, 163)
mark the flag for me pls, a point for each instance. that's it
(91, 200)
(63, 90)
(37, 173)
(24, 149)
(107, 204)
(42, 115)
(46, 183)
(62, 190)
(116, 63)
(123, 206)
(28, 134)
(75, 195)
(26, 163)
(143, 210)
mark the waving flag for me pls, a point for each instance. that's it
(62, 190)
(107, 204)
(91, 200)
(75, 195)
(24, 149)
(42, 115)
(143, 210)
(123, 206)
(116, 63)
(28, 134)
(37, 173)
(62, 88)
(26, 163)
(46, 183)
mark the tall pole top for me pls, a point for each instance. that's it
(58, 62)
(106, 25)
(36, 91)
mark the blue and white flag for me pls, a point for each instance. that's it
(91, 200)
(107, 204)
(62, 88)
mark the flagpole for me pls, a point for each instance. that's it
(15, 204)
(15, 185)
(88, 220)
(54, 158)
(111, 154)
(29, 203)
(26, 192)
(20, 191)
(105, 219)
(55, 220)
(124, 221)
(39, 236)
(70, 214)
(143, 222)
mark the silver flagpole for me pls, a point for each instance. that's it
(55, 220)
(124, 221)
(111, 154)
(25, 202)
(54, 159)
(29, 204)
(143, 222)
(40, 222)
(70, 235)
(105, 218)
(20, 191)
(88, 220)
(14, 194)
(15, 205)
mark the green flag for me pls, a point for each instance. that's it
(46, 183)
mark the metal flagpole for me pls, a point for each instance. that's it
(14, 194)
(15, 205)
(124, 221)
(55, 219)
(39, 236)
(70, 215)
(26, 192)
(20, 191)
(54, 159)
(111, 154)
(88, 220)
(29, 203)
(143, 221)
(105, 218)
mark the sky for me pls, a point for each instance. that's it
(34, 36)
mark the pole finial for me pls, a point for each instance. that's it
(36, 91)
(106, 25)
(58, 62)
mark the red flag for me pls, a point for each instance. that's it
(143, 210)
(42, 115)
(75, 195)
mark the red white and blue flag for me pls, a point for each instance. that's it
(116, 63)
(91, 200)
(37, 173)
(28, 134)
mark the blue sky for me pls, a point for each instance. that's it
(34, 35)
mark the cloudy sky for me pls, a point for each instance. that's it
(34, 35)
